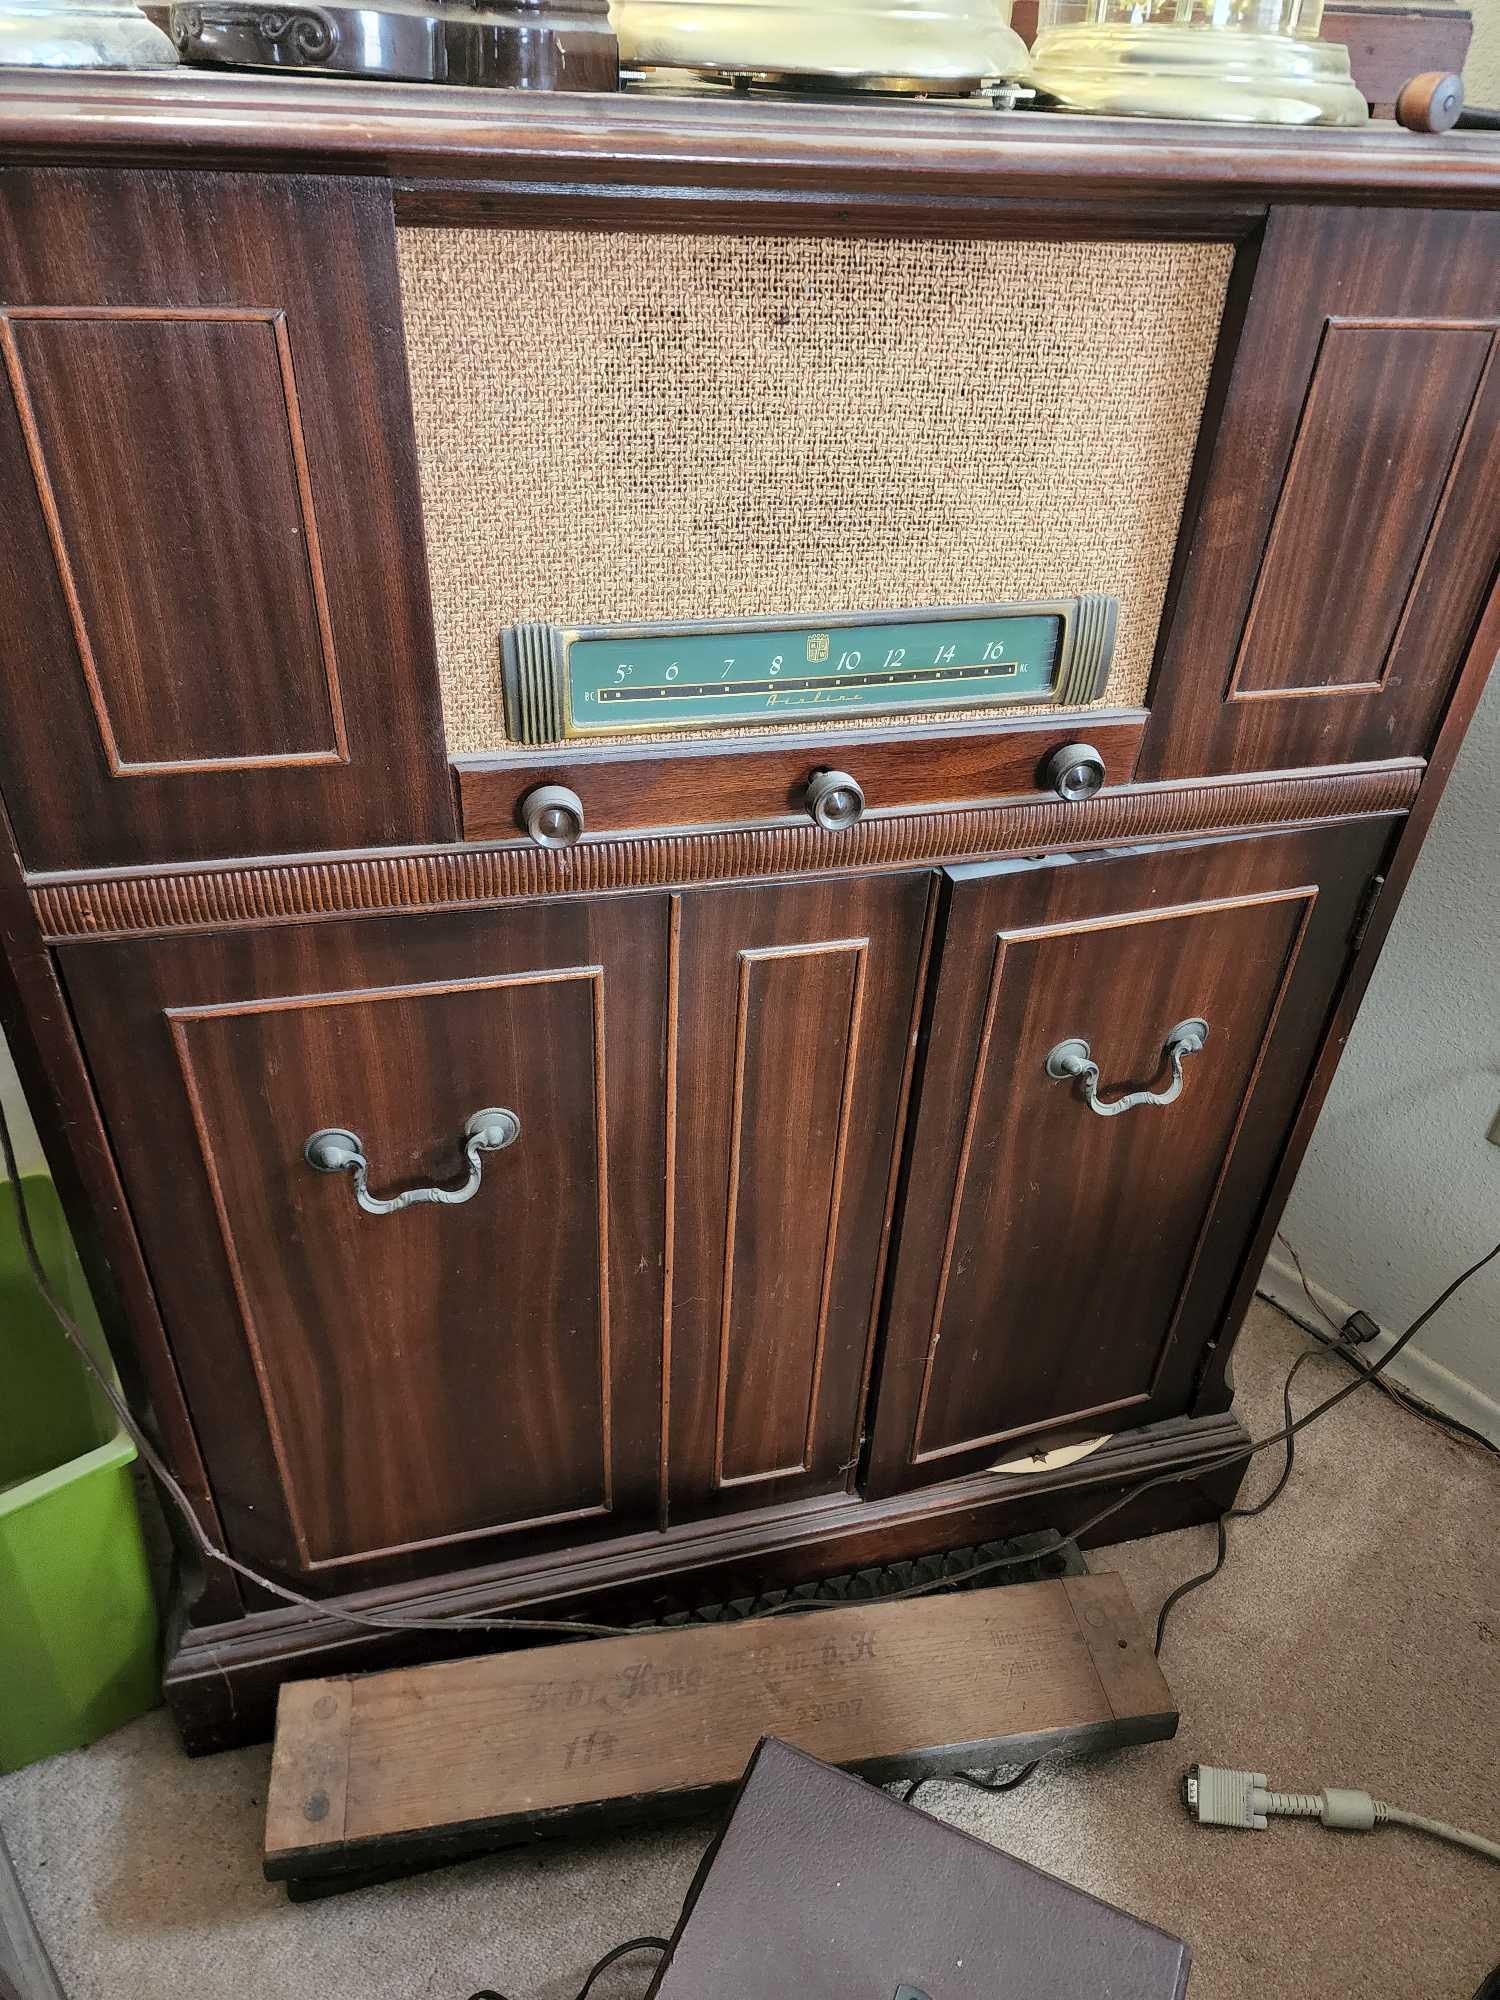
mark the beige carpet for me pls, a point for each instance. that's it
(1354, 1637)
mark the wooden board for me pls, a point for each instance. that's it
(379, 1771)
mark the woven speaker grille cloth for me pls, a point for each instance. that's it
(617, 426)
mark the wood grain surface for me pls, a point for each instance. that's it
(124, 500)
(223, 1679)
(376, 1390)
(1059, 1272)
(1342, 533)
(265, 894)
(794, 1009)
(708, 784)
(208, 478)
(249, 912)
(742, 165)
(1385, 418)
(41, 1039)
(502, 1748)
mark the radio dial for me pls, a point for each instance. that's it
(553, 816)
(1074, 772)
(835, 800)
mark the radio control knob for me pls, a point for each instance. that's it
(553, 816)
(1074, 772)
(834, 799)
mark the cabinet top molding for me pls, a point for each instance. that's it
(932, 157)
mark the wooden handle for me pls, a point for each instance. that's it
(1431, 102)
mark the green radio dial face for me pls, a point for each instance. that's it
(614, 680)
(689, 679)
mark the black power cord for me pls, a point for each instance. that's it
(655, 1944)
(1240, 1513)
(1371, 1372)
(972, 1779)
(1337, 1341)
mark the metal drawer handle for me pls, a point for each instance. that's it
(1072, 1059)
(335, 1151)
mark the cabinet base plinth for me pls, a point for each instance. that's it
(222, 1680)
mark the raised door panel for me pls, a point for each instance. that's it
(1345, 527)
(221, 642)
(1058, 1269)
(793, 1023)
(187, 549)
(374, 1390)
(1388, 410)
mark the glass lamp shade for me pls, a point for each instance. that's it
(879, 44)
(1244, 62)
(81, 34)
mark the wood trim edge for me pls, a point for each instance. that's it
(259, 893)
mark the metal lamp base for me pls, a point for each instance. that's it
(513, 44)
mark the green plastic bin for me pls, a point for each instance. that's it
(78, 1626)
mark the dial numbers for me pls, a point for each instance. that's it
(696, 680)
(566, 681)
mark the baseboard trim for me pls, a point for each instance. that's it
(1412, 1369)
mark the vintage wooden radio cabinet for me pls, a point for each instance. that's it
(697, 796)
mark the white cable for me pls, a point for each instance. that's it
(1217, 1797)
(1476, 1842)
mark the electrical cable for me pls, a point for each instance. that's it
(465, 1621)
(1452, 1428)
(1337, 1341)
(1338, 1346)
(1239, 1513)
(1175, 1597)
(655, 1944)
(975, 1783)
(1218, 1797)
(1291, 1428)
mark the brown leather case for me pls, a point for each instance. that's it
(821, 1887)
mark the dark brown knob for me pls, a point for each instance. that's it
(553, 816)
(1431, 102)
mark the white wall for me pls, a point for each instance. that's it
(1482, 70)
(1400, 1188)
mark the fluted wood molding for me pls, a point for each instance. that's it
(256, 893)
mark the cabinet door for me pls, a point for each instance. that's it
(1345, 530)
(1060, 1271)
(217, 636)
(794, 1020)
(380, 1394)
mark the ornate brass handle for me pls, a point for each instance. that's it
(1072, 1059)
(335, 1151)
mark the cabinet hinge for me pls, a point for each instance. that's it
(1365, 914)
